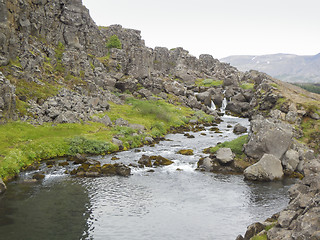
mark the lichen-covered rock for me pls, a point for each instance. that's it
(269, 168)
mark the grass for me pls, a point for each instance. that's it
(235, 145)
(22, 143)
(208, 82)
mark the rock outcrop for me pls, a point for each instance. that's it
(7, 99)
(268, 136)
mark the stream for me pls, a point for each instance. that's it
(173, 202)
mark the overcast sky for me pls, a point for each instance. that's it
(218, 27)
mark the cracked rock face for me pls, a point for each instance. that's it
(7, 99)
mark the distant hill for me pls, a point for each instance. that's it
(287, 67)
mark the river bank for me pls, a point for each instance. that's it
(172, 201)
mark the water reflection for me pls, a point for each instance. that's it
(58, 210)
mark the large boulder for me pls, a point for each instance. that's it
(268, 136)
(224, 156)
(269, 168)
(3, 187)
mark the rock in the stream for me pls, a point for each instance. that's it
(185, 152)
(145, 161)
(224, 156)
(239, 129)
(205, 164)
(160, 161)
(269, 168)
(78, 158)
(3, 186)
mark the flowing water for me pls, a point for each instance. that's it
(173, 202)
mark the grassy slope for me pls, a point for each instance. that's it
(23, 143)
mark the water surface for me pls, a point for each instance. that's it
(165, 204)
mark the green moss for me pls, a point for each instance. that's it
(208, 82)
(235, 145)
(260, 237)
(274, 85)
(185, 152)
(247, 85)
(280, 102)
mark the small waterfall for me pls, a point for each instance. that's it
(224, 105)
(213, 106)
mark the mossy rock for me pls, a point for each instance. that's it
(115, 158)
(145, 161)
(109, 169)
(160, 161)
(50, 162)
(32, 167)
(185, 152)
(38, 176)
(63, 164)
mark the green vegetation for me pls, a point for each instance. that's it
(114, 42)
(59, 68)
(311, 133)
(260, 237)
(23, 143)
(208, 82)
(235, 145)
(280, 102)
(315, 88)
(104, 60)
(247, 85)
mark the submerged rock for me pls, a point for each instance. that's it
(269, 168)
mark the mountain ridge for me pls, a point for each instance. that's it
(286, 67)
